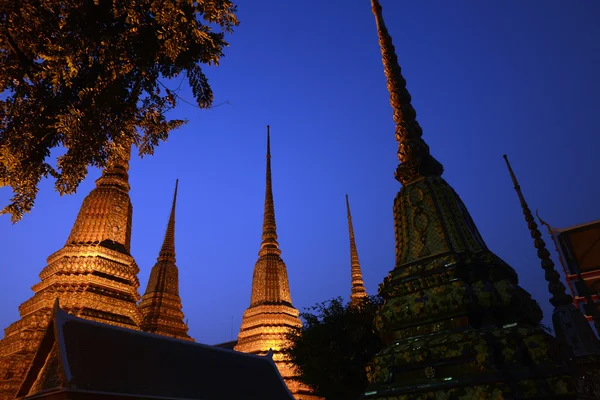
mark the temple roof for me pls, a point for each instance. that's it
(576, 227)
(85, 357)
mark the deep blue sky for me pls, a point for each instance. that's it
(487, 78)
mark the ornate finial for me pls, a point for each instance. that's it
(167, 251)
(116, 171)
(358, 286)
(269, 236)
(56, 305)
(413, 152)
(105, 215)
(268, 141)
(555, 286)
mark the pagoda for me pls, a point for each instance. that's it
(271, 315)
(161, 304)
(359, 292)
(93, 275)
(455, 324)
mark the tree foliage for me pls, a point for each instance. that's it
(87, 75)
(334, 346)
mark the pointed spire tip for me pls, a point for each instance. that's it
(513, 177)
(268, 140)
(269, 225)
(167, 250)
(556, 288)
(416, 161)
(56, 304)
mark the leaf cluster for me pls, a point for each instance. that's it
(86, 75)
(334, 346)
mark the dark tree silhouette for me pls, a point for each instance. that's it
(332, 349)
(87, 75)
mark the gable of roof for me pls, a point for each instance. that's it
(227, 345)
(104, 359)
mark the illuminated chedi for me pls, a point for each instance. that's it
(455, 323)
(161, 304)
(358, 286)
(93, 275)
(271, 314)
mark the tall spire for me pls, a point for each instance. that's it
(269, 236)
(448, 287)
(570, 325)
(555, 286)
(167, 250)
(161, 304)
(413, 152)
(270, 283)
(271, 315)
(358, 286)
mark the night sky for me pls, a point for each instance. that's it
(487, 78)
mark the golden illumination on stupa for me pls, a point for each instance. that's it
(161, 304)
(93, 275)
(271, 314)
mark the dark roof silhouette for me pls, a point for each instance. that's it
(89, 359)
(227, 345)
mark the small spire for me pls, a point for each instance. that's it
(555, 286)
(358, 287)
(269, 236)
(167, 251)
(570, 326)
(161, 304)
(413, 152)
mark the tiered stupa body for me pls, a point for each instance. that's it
(455, 323)
(93, 275)
(359, 292)
(161, 304)
(271, 314)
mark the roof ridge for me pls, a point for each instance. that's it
(66, 317)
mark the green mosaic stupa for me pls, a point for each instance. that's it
(455, 323)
